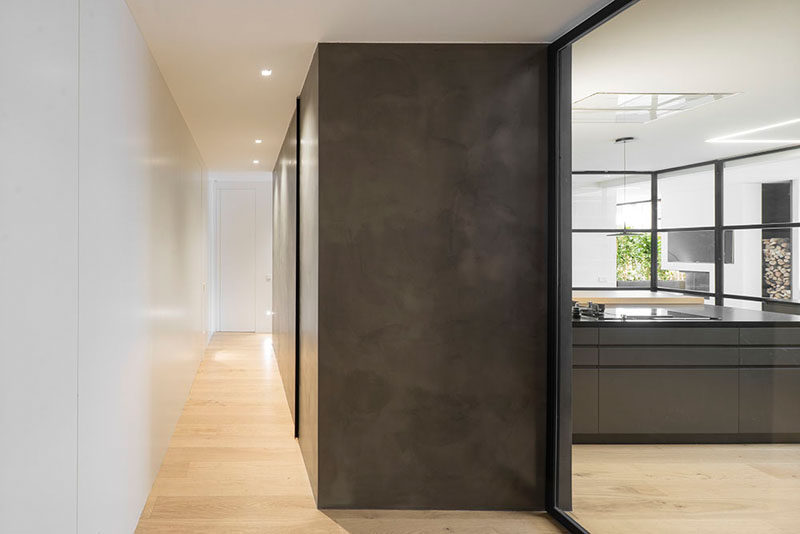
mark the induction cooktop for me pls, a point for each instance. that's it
(601, 313)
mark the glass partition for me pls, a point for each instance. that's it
(686, 198)
(609, 201)
(611, 260)
(763, 263)
(674, 417)
(686, 260)
(762, 189)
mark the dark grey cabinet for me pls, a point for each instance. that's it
(668, 401)
(785, 335)
(584, 356)
(668, 335)
(673, 384)
(770, 401)
(584, 406)
(667, 356)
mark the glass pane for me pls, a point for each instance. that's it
(610, 201)
(743, 304)
(686, 198)
(686, 260)
(763, 189)
(762, 263)
(603, 260)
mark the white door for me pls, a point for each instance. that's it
(237, 260)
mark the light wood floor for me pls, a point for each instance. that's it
(674, 489)
(233, 467)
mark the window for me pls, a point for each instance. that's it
(611, 260)
(762, 189)
(763, 264)
(686, 198)
(610, 201)
(613, 239)
(686, 260)
(603, 205)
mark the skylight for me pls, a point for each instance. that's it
(638, 107)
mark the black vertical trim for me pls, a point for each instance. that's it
(553, 277)
(559, 442)
(559, 362)
(653, 231)
(719, 246)
(297, 335)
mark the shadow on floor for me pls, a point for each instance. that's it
(441, 522)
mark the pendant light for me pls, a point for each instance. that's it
(624, 142)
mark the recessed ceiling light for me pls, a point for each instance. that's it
(258, 141)
(638, 107)
(255, 162)
(266, 72)
(739, 137)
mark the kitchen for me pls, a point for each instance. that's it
(685, 308)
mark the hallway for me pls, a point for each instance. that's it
(233, 466)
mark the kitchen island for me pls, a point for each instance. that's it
(727, 376)
(614, 297)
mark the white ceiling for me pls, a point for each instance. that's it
(211, 52)
(684, 46)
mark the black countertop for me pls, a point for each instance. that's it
(725, 317)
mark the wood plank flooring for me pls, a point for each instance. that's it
(674, 489)
(233, 466)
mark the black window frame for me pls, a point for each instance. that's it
(719, 227)
(558, 497)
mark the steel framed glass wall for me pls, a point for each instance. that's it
(559, 372)
(612, 230)
(722, 229)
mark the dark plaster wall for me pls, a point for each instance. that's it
(308, 298)
(284, 260)
(432, 275)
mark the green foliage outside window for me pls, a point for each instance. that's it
(633, 259)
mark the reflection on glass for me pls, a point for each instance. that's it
(686, 260)
(608, 201)
(610, 260)
(762, 189)
(763, 263)
(743, 304)
(686, 198)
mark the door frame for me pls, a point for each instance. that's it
(218, 184)
(558, 495)
(219, 188)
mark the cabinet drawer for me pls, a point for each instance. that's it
(666, 356)
(769, 356)
(667, 335)
(584, 355)
(770, 401)
(584, 401)
(782, 335)
(584, 336)
(666, 401)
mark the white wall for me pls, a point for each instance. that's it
(38, 264)
(141, 268)
(261, 182)
(102, 267)
(594, 260)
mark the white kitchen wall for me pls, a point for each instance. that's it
(261, 182)
(38, 264)
(594, 260)
(141, 268)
